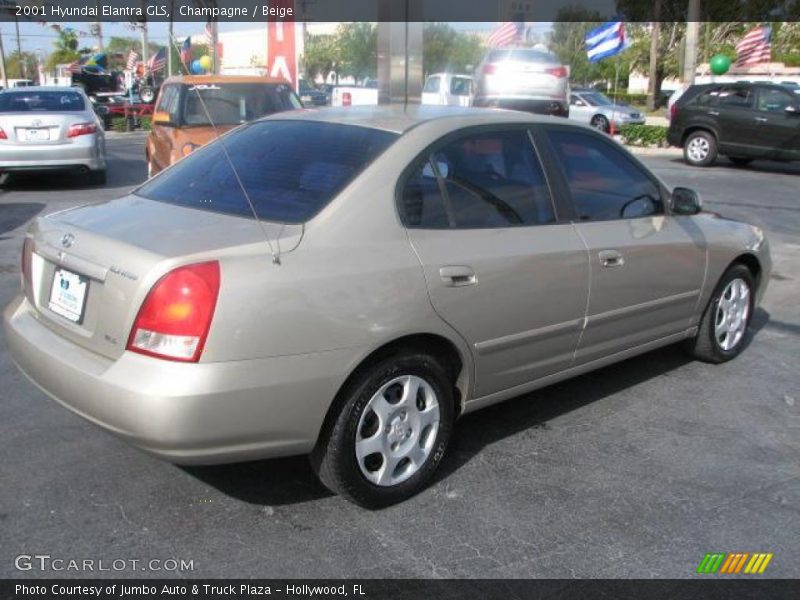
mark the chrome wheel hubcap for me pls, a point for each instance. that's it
(698, 149)
(732, 312)
(397, 430)
(598, 123)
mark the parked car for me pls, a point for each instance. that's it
(447, 89)
(193, 110)
(354, 96)
(311, 96)
(409, 267)
(523, 78)
(598, 110)
(94, 79)
(743, 121)
(51, 129)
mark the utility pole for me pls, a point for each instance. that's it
(170, 43)
(23, 72)
(3, 63)
(652, 82)
(143, 32)
(98, 32)
(692, 30)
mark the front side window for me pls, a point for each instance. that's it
(168, 101)
(290, 169)
(461, 86)
(481, 181)
(603, 182)
(774, 100)
(234, 103)
(432, 85)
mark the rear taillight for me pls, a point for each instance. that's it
(3, 135)
(81, 129)
(25, 265)
(557, 71)
(489, 69)
(673, 112)
(174, 319)
(347, 99)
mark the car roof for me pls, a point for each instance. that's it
(43, 88)
(400, 119)
(197, 79)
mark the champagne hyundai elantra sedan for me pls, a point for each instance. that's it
(347, 282)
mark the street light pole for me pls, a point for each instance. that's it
(652, 83)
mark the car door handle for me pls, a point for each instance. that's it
(713, 113)
(611, 258)
(761, 119)
(458, 276)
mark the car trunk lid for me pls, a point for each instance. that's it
(92, 266)
(31, 128)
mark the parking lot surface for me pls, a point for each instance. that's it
(635, 470)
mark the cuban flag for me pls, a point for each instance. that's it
(607, 40)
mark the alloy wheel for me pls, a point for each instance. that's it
(733, 310)
(698, 149)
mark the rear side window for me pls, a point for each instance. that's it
(736, 97)
(290, 169)
(774, 100)
(461, 86)
(481, 181)
(168, 101)
(43, 101)
(603, 182)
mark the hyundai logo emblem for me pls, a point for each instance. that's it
(67, 240)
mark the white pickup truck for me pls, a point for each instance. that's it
(354, 96)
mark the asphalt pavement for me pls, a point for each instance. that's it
(635, 470)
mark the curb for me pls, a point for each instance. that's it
(640, 151)
(123, 134)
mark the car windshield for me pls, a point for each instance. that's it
(45, 101)
(597, 99)
(290, 169)
(234, 103)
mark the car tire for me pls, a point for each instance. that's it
(376, 410)
(97, 177)
(147, 94)
(600, 123)
(740, 161)
(723, 326)
(700, 149)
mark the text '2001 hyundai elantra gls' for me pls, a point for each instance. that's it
(345, 283)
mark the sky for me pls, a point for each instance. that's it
(35, 37)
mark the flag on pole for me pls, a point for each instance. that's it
(158, 61)
(186, 50)
(131, 64)
(755, 47)
(607, 40)
(504, 35)
(209, 33)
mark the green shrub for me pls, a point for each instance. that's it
(644, 135)
(146, 123)
(118, 124)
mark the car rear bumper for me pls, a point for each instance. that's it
(545, 106)
(85, 154)
(203, 413)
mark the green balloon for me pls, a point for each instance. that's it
(720, 64)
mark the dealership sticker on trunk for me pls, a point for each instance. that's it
(68, 295)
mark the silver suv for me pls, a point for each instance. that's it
(523, 79)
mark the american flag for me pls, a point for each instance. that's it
(131, 64)
(755, 47)
(504, 35)
(210, 33)
(158, 61)
(186, 50)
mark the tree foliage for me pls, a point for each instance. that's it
(66, 48)
(19, 66)
(357, 49)
(445, 49)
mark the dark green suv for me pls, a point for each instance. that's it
(743, 121)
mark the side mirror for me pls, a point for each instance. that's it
(685, 201)
(162, 118)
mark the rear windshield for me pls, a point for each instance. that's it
(47, 101)
(290, 169)
(522, 54)
(233, 103)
